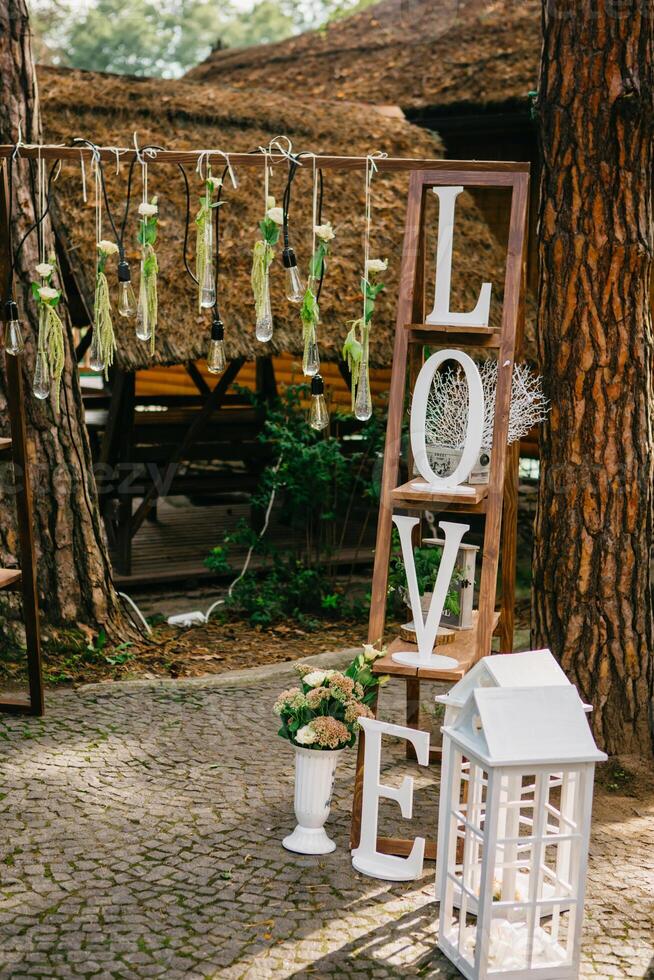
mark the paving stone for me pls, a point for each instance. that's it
(141, 830)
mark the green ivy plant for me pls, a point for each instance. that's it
(51, 329)
(427, 562)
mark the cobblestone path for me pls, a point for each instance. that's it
(141, 828)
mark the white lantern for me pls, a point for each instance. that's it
(533, 668)
(514, 824)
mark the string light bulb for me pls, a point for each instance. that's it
(318, 414)
(14, 343)
(216, 361)
(294, 286)
(127, 305)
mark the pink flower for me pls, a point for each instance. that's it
(330, 733)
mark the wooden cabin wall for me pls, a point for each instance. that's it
(288, 370)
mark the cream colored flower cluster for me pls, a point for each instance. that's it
(324, 733)
(291, 700)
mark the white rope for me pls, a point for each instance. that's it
(246, 564)
(371, 170)
(83, 169)
(148, 628)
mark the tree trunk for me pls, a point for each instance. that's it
(592, 587)
(74, 572)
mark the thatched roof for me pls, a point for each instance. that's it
(186, 115)
(411, 53)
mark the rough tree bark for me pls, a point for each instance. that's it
(592, 587)
(74, 572)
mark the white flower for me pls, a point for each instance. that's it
(315, 678)
(44, 269)
(270, 202)
(107, 247)
(370, 653)
(325, 232)
(305, 736)
(148, 210)
(376, 265)
(46, 293)
(276, 215)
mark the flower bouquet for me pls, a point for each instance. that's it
(320, 718)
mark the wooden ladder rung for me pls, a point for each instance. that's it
(9, 577)
(410, 498)
(16, 706)
(447, 336)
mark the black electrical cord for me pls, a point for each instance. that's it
(319, 209)
(56, 166)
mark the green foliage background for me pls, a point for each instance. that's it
(166, 37)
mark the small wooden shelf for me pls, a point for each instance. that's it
(9, 577)
(410, 498)
(5, 448)
(463, 649)
(444, 335)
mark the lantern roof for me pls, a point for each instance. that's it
(534, 668)
(515, 726)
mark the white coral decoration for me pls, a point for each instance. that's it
(315, 678)
(147, 210)
(276, 215)
(447, 407)
(305, 736)
(508, 945)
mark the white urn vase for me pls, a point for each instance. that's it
(314, 781)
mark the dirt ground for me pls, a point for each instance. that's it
(212, 648)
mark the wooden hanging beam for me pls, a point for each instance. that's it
(326, 162)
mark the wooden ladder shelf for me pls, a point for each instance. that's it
(496, 501)
(23, 578)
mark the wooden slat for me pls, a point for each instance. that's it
(5, 448)
(446, 338)
(406, 496)
(402, 848)
(18, 706)
(9, 577)
(477, 173)
(463, 649)
(448, 328)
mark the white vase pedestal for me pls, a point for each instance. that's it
(314, 781)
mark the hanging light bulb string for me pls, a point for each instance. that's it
(53, 175)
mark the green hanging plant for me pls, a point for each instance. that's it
(104, 339)
(51, 329)
(147, 239)
(356, 346)
(310, 310)
(263, 254)
(204, 243)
